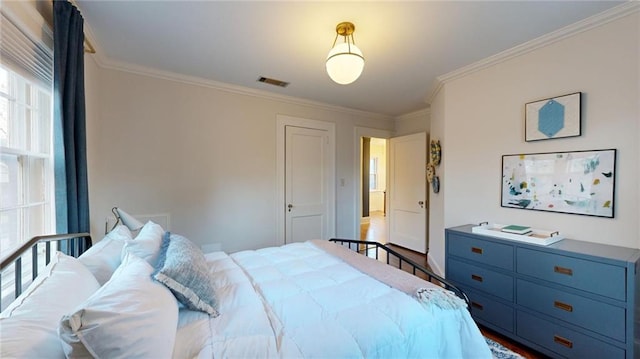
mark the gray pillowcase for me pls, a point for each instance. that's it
(183, 269)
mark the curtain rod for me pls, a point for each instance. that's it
(87, 45)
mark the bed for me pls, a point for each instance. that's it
(157, 295)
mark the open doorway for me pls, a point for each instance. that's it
(373, 223)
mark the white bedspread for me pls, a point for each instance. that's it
(299, 301)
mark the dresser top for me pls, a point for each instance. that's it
(570, 245)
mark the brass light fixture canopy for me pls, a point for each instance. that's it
(345, 61)
(345, 28)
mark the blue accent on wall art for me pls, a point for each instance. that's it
(554, 117)
(551, 118)
(578, 182)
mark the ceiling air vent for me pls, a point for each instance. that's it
(274, 82)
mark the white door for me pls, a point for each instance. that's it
(407, 192)
(306, 152)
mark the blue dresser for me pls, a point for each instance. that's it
(570, 299)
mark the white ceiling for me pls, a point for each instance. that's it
(406, 44)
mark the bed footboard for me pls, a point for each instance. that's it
(15, 258)
(373, 248)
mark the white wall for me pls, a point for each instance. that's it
(437, 200)
(205, 156)
(480, 117)
(93, 96)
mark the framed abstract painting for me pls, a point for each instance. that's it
(580, 182)
(555, 117)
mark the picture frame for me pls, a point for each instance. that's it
(578, 182)
(555, 117)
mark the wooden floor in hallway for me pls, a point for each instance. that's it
(376, 230)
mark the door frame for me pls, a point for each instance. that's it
(282, 121)
(360, 132)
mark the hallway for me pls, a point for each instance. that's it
(376, 229)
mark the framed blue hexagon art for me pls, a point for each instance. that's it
(555, 117)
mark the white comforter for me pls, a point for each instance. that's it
(299, 301)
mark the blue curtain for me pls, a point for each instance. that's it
(70, 149)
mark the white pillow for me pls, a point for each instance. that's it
(28, 327)
(147, 243)
(104, 257)
(131, 316)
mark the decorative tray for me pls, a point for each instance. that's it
(536, 236)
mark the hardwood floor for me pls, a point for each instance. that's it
(376, 231)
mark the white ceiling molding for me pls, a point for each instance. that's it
(425, 113)
(109, 64)
(605, 17)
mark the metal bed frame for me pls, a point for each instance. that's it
(362, 247)
(365, 248)
(75, 244)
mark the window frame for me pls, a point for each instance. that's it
(373, 173)
(31, 114)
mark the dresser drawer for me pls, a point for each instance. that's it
(599, 278)
(596, 316)
(480, 278)
(491, 253)
(491, 310)
(563, 341)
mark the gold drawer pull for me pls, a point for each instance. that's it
(563, 306)
(563, 341)
(476, 250)
(477, 305)
(562, 270)
(476, 277)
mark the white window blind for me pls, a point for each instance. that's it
(27, 56)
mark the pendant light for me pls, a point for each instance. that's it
(345, 61)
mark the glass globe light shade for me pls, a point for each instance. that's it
(343, 66)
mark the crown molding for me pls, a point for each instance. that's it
(589, 23)
(423, 113)
(109, 64)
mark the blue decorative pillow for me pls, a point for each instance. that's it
(182, 268)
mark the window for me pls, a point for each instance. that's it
(26, 162)
(26, 175)
(373, 173)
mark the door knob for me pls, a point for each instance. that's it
(421, 204)
(289, 207)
